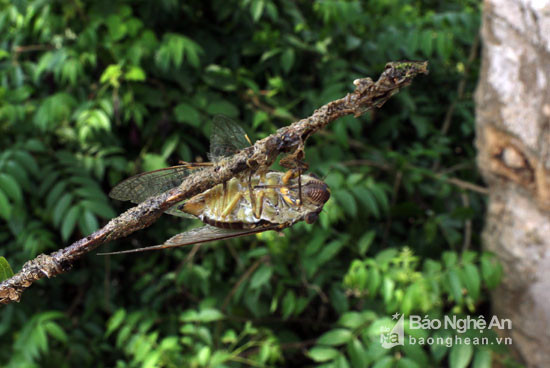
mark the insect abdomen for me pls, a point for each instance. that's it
(224, 225)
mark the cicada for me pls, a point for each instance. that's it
(244, 205)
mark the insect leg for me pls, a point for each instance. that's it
(224, 194)
(194, 206)
(252, 194)
(195, 165)
(232, 204)
(299, 187)
(260, 200)
(259, 206)
(290, 174)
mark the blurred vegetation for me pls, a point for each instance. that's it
(92, 92)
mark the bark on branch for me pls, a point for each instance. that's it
(262, 154)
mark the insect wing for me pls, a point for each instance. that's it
(142, 186)
(209, 233)
(227, 138)
(199, 235)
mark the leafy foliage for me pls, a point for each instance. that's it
(92, 92)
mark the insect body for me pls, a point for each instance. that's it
(244, 205)
(273, 201)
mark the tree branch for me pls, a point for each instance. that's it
(261, 155)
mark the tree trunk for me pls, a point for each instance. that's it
(513, 140)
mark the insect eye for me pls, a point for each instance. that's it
(317, 192)
(311, 217)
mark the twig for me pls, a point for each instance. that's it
(249, 96)
(395, 191)
(107, 284)
(243, 278)
(365, 162)
(285, 346)
(315, 288)
(188, 259)
(261, 155)
(31, 48)
(467, 225)
(460, 91)
(439, 175)
(461, 85)
(465, 184)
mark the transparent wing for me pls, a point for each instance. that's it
(142, 186)
(199, 235)
(227, 138)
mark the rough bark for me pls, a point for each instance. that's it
(513, 140)
(261, 155)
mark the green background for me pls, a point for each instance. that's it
(92, 92)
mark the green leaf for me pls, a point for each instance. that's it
(256, 9)
(407, 363)
(219, 77)
(26, 159)
(365, 242)
(482, 359)
(388, 287)
(10, 186)
(222, 107)
(287, 60)
(99, 120)
(260, 117)
(111, 75)
(351, 320)
(54, 330)
(380, 196)
(117, 27)
(341, 362)
(347, 201)
(186, 113)
(472, 280)
(203, 355)
(261, 276)
(69, 222)
(374, 280)
(5, 207)
(135, 73)
(385, 362)
(460, 355)
(170, 145)
(327, 253)
(417, 353)
(335, 337)
(455, 286)
(367, 199)
(322, 354)
(153, 161)
(100, 208)
(409, 300)
(450, 259)
(289, 304)
(219, 357)
(55, 194)
(210, 315)
(357, 353)
(5, 269)
(491, 270)
(60, 208)
(87, 222)
(115, 321)
(426, 43)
